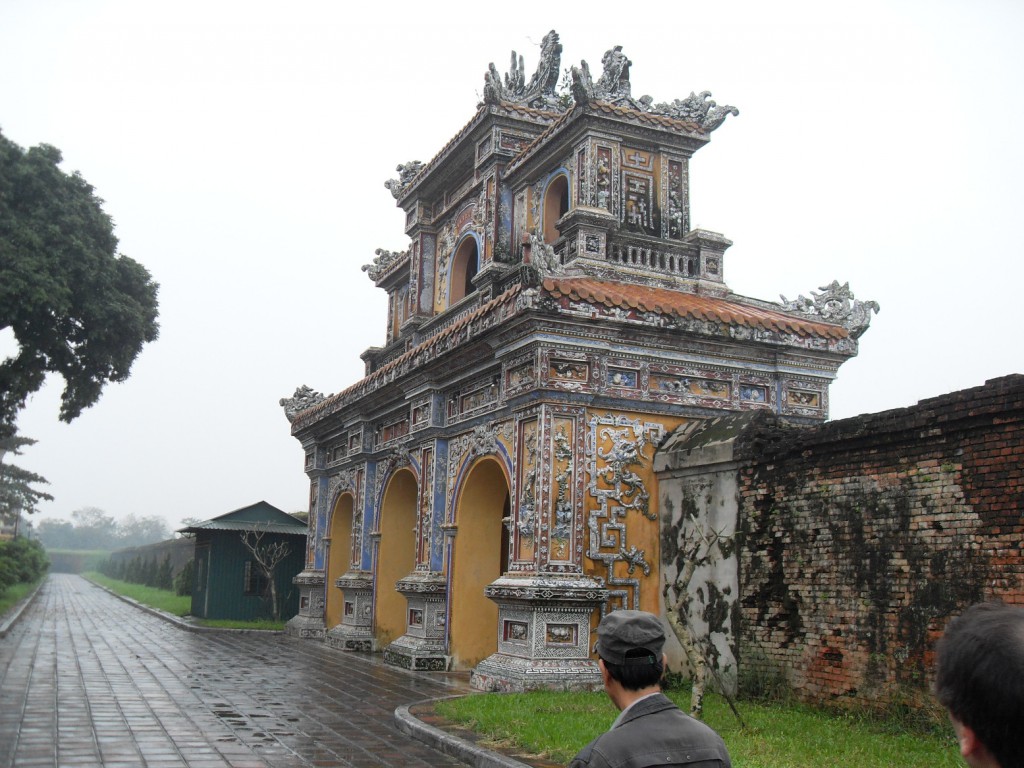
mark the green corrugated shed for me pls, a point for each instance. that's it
(228, 584)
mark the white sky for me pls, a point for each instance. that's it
(241, 148)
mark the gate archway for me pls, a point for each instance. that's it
(339, 556)
(480, 556)
(396, 556)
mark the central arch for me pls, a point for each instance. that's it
(339, 557)
(465, 265)
(556, 205)
(396, 556)
(480, 556)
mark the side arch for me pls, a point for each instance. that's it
(479, 556)
(339, 555)
(396, 555)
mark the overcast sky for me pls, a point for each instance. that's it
(242, 147)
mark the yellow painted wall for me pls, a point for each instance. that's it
(477, 562)
(340, 555)
(396, 556)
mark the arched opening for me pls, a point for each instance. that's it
(396, 557)
(339, 557)
(480, 557)
(556, 205)
(465, 265)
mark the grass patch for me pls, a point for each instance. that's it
(262, 624)
(15, 593)
(556, 725)
(178, 605)
(164, 599)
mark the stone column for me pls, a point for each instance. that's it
(422, 647)
(543, 634)
(355, 632)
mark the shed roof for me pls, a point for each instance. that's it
(259, 516)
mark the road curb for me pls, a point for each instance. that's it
(12, 616)
(449, 744)
(177, 621)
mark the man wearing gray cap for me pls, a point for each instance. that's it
(650, 729)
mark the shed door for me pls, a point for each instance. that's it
(201, 591)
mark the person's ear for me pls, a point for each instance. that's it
(971, 747)
(968, 740)
(605, 676)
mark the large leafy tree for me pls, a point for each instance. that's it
(75, 305)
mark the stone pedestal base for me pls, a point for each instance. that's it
(513, 674)
(355, 632)
(345, 638)
(306, 627)
(543, 633)
(422, 647)
(309, 623)
(417, 654)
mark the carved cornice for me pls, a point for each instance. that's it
(355, 580)
(555, 589)
(309, 579)
(422, 584)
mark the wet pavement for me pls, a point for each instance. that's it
(89, 680)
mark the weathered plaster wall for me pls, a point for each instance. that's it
(860, 538)
(698, 490)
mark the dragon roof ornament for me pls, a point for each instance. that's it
(614, 88)
(406, 173)
(383, 262)
(835, 304)
(304, 397)
(539, 93)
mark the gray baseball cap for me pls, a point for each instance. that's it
(622, 631)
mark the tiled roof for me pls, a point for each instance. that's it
(668, 302)
(611, 294)
(426, 350)
(664, 121)
(538, 115)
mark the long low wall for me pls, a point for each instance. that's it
(179, 550)
(861, 538)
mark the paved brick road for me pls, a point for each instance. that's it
(88, 680)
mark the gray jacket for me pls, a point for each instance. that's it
(655, 732)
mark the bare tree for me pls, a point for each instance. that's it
(697, 547)
(267, 555)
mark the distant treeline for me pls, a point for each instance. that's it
(92, 528)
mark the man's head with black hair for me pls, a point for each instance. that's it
(980, 680)
(630, 645)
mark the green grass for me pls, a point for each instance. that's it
(164, 599)
(265, 624)
(15, 593)
(557, 725)
(178, 605)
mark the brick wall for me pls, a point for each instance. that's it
(862, 537)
